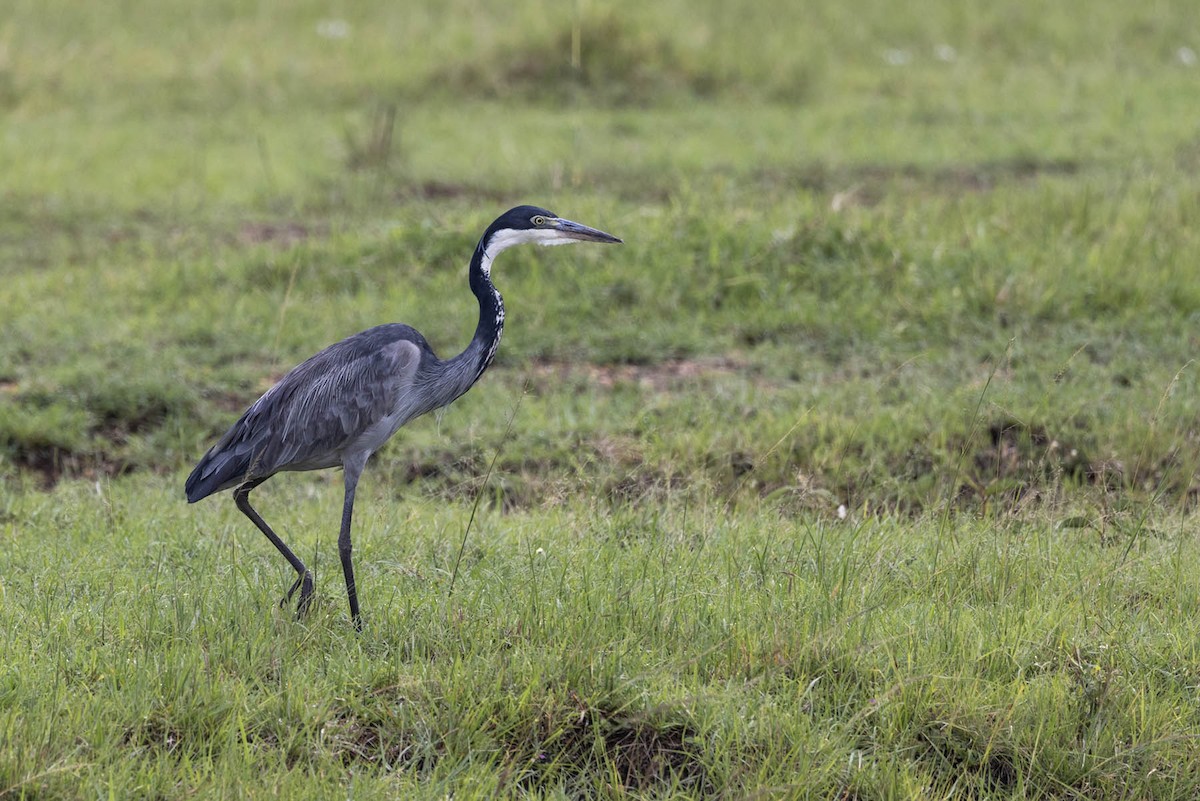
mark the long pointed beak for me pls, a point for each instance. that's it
(574, 230)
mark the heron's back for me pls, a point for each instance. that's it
(319, 410)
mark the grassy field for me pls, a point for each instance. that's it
(866, 469)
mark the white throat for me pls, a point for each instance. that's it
(507, 238)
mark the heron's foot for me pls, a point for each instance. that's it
(304, 582)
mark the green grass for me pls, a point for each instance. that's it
(865, 469)
(598, 649)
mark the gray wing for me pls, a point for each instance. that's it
(354, 392)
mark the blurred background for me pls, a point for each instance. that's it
(876, 255)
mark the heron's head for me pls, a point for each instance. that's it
(524, 224)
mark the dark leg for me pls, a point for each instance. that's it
(304, 581)
(344, 548)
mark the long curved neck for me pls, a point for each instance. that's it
(490, 327)
(471, 363)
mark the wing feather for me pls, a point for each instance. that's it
(324, 406)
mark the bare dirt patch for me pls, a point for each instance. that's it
(449, 190)
(576, 744)
(867, 184)
(284, 234)
(639, 751)
(659, 377)
(50, 464)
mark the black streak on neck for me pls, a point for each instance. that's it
(491, 311)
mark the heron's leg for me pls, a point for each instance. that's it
(304, 580)
(352, 472)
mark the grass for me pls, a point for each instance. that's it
(865, 469)
(587, 649)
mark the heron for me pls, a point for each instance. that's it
(341, 405)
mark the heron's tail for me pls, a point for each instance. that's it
(221, 468)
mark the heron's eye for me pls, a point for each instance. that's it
(538, 220)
